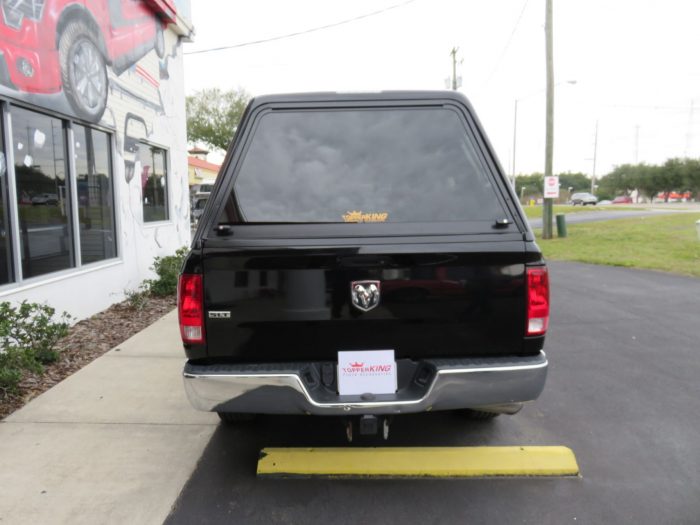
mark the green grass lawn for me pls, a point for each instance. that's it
(42, 215)
(668, 243)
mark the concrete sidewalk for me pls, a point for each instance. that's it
(113, 443)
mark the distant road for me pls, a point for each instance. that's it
(593, 216)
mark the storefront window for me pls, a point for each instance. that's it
(46, 183)
(5, 253)
(153, 183)
(43, 197)
(95, 196)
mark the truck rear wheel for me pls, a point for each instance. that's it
(230, 418)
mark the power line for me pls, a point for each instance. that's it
(507, 46)
(639, 106)
(299, 33)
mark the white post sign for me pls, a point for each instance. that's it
(551, 187)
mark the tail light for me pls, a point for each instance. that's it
(190, 308)
(537, 300)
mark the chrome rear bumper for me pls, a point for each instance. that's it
(493, 384)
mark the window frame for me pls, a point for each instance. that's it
(168, 199)
(7, 204)
(18, 279)
(68, 190)
(115, 199)
(232, 167)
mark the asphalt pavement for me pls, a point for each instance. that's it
(623, 393)
(117, 441)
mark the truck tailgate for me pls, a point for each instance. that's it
(282, 304)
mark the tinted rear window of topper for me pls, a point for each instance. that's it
(361, 165)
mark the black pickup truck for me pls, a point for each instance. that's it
(363, 255)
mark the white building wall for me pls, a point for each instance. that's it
(153, 90)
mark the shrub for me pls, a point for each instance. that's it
(137, 299)
(167, 269)
(11, 367)
(28, 337)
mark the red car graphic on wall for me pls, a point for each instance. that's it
(51, 45)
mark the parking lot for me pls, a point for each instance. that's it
(623, 393)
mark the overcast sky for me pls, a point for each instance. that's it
(635, 63)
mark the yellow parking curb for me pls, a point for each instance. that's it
(450, 462)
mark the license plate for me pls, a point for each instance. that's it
(366, 372)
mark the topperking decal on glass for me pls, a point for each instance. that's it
(365, 294)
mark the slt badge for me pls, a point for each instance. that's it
(365, 294)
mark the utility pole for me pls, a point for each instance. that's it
(689, 133)
(595, 157)
(636, 144)
(454, 67)
(515, 124)
(549, 146)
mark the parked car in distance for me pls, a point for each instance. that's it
(604, 202)
(198, 205)
(49, 199)
(622, 199)
(583, 199)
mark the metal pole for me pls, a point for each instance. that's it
(689, 134)
(13, 196)
(549, 147)
(454, 68)
(595, 156)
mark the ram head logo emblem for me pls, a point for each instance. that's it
(365, 294)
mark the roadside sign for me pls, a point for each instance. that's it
(551, 187)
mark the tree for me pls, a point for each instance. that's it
(575, 181)
(673, 176)
(36, 181)
(529, 185)
(692, 177)
(621, 180)
(651, 180)
(213, 115)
